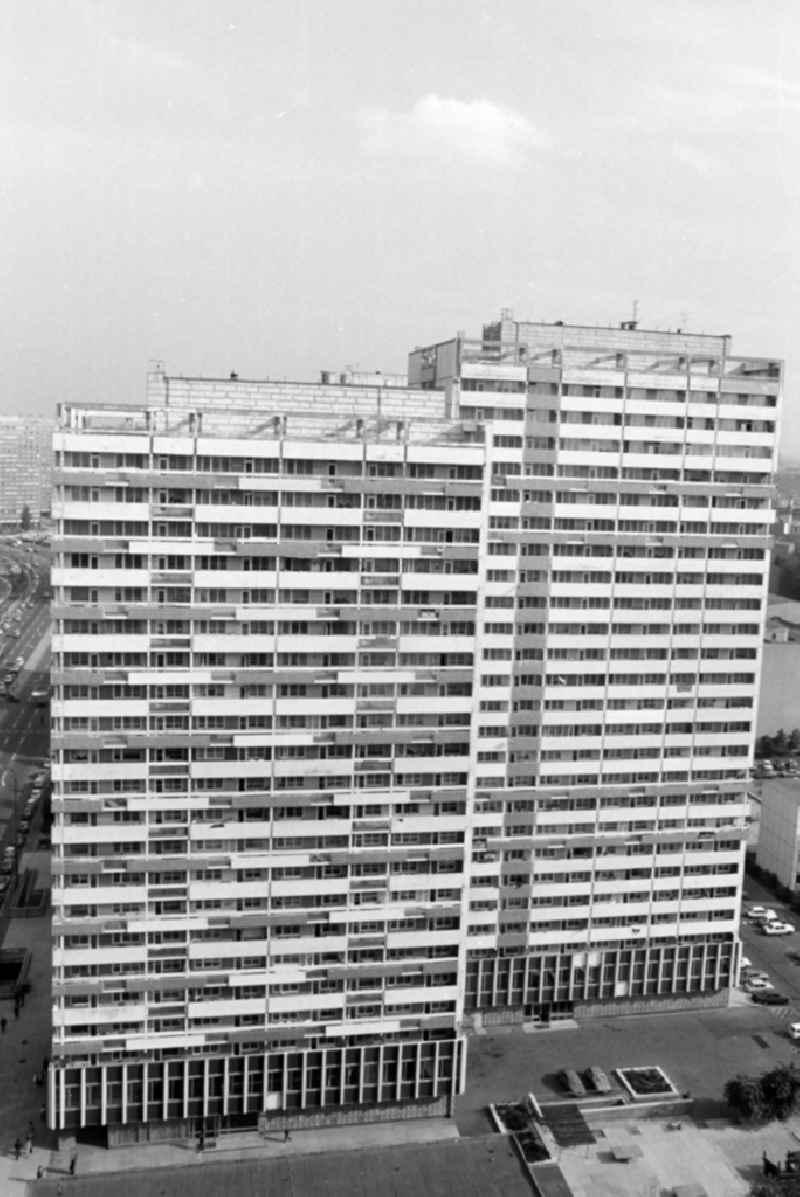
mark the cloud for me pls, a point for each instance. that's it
(439, 127)
(697, 160)
(774, 89)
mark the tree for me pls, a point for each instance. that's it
(774, 1094)
(794, 740)
(25, 520)
(780, 742)
(764, 746)
(779, 1090)
(787, 1186)
(743, 1095)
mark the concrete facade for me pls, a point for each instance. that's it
(377, 709)
(778, 847)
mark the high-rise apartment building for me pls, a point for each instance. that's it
(380, 711)
(25, 467)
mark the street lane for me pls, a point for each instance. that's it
(769, 952)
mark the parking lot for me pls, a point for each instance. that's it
(699, 1051)
(773, 954)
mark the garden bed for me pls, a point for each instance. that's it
(518, 1121)
(645, 1084)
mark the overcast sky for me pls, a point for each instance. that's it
(282, 187)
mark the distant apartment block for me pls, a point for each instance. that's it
(382, 712)
(778, 846)
(26, 464)
(779, 699)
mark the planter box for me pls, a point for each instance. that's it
(646, 1084)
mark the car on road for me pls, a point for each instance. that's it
(777, 928)
(9, 679)
(757, 985)
(19, 662)
(761, 912)
(768, 997)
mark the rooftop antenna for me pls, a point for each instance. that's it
(635, 315)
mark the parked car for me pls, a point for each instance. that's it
(777, 928)
(758, 985)
(572, 1082)
(761, 912)
(597, 1080)
(19, 662)
(768, 997)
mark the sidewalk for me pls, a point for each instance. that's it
(248, 1146)
(23, 1047)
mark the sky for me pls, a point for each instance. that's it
(279, 188)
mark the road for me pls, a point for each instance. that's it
(24, 727)
(770, 952)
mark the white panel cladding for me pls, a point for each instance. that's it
(318, 861)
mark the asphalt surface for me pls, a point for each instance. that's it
(24, 727)
(772, 953)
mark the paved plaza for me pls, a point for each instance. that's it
(699, 1051)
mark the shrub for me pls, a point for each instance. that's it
(774, 1094)
(743, 1095)
(779, 1090)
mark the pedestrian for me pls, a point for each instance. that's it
(16, 1007)
(286, 1136)
(3, 1025)
(40, 1172)
(29, 1144)
(17, 1147)
(73, 1163)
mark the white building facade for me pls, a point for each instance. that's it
(778, 847)
(378, 712)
